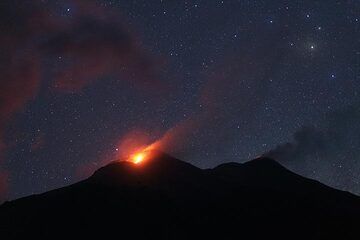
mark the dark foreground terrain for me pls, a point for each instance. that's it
(165, 198)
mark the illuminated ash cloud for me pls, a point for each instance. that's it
(3, 185)
(89, 45)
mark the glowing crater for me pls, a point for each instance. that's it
(137, 158)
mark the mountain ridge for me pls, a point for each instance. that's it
(173, 199)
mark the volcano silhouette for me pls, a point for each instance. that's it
(166, 198)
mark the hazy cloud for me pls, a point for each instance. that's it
(329, 152)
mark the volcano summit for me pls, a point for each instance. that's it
(166, 198)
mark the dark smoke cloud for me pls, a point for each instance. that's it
(329, 152)
(96, 43)
(92, 43)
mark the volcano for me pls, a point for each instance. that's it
(166, 198)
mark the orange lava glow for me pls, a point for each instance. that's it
(137, 148)
(138, 157)
(141, 155)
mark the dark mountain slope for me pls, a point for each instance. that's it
(266, 172)
(166, 198)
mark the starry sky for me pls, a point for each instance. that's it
(216, 81)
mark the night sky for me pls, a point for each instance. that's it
(217, 81)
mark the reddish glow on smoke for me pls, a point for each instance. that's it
(138, 147)
(135, 147)
(142, 155)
